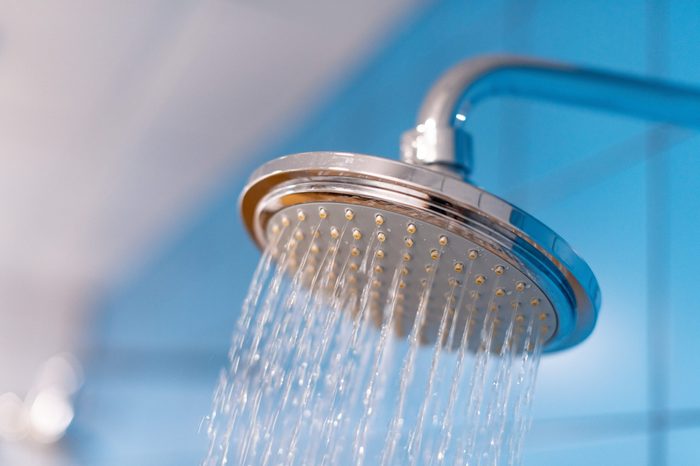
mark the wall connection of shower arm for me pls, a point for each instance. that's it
(441, 142)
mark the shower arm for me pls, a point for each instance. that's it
(440, 141)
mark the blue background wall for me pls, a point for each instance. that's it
(623, 193)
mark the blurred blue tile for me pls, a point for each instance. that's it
(160, 426)
(607, 34)
(683, 47)
(536, 138)
(621, 451)
(685, 255)
(555, 135)
(684, 447)
(605, 223)
(189, 296)
(684, 199)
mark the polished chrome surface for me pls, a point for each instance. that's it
(442, 203)
(439, 137)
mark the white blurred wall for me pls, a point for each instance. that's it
(117, 118)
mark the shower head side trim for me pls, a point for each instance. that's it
(439, 140)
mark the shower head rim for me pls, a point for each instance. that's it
(364, 172)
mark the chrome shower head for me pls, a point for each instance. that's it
(408, 227)
(418, 236)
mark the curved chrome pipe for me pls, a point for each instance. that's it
(439, 140)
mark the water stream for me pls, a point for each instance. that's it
(318, 377)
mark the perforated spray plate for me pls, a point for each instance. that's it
(403, 264)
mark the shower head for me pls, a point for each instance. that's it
(420, 241)
(443, 244)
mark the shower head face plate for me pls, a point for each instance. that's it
(406, 263)
(404, 229)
